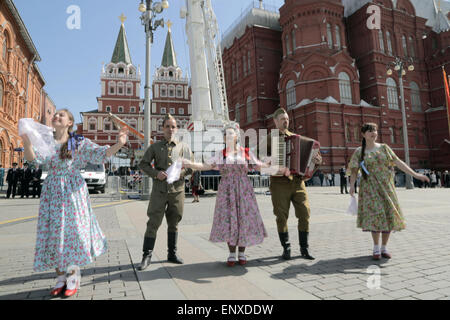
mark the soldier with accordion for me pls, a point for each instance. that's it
(296, 157)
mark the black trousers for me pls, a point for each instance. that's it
(344, 185)
(36, 189)
(11, 187)
(25, 188)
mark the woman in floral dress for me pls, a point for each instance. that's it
(378, 207)
(67, 231)
(237, 220)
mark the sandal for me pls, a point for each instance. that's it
(231, 260)
(60, 286)
(242, 258)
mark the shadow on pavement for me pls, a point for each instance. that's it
(196, 272)
(327, 267)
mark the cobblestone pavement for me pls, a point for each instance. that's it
(343, 268)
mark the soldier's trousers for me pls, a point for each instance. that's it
(164, 204)
(285, 191)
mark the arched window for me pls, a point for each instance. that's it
(291, 100)
(129, 89)
(392, 93)
(329, 36)
(347, 133)
(392, 134)
(345, 88)
(249, 62)
(381, 40)
(415, 97)
(112, 88)
(120, 109)
(120, 88)
(244, 65)
(163, 92)
(404, 45)
(389, 43)
(1, 94)
(249, 109)
(5, 47)
(179, 92)
(338, 38)
(412, 49)
(172, 91)
(237, 114)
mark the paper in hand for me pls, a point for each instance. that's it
(41, 137)
(353, 207)
(174, 172)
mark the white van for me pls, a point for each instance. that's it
(95, 176)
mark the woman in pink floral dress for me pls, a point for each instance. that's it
(67, 231)
(378, 207)
(237, 220)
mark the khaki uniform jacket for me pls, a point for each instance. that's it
(165, 154)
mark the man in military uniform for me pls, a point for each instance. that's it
(165, 199)
(289, 188)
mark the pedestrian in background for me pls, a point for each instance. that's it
(343, 176)
(12, 177)
(36, 182)
(196, 184)
(2, 176)
(67, 230)
(378, 207)
(25, 180)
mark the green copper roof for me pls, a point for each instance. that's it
(169, 57)
(121, 51)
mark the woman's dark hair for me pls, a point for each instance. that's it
(366, 127)
(65, 153)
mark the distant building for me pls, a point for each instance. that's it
(21, 82)
(171, 91)
(329, 71)
(120, 95)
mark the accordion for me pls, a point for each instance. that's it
(296, 153)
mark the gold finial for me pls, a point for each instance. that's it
(439, 5)
(169, 25)
(122, 18)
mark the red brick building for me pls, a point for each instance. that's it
(120, 95)
(21, 82)
(171, 91)
(331, 73)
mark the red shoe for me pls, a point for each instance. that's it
(376, 256)
(72, 285)
(386, 255)
(242, 259)
(59, 287)
(231, 261)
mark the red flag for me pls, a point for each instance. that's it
(447, 97)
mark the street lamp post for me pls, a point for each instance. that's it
(149, 11)
(399, 66)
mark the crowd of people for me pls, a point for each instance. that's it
(21, 180)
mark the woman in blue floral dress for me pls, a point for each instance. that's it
(67, 231)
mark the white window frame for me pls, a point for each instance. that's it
(291, 98)
(392, 94)
(345, 88)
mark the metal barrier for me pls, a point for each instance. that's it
(125, 187)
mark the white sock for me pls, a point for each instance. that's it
(376, 248)
(383, 249)
(232, 256)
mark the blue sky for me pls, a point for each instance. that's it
(72, 59)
